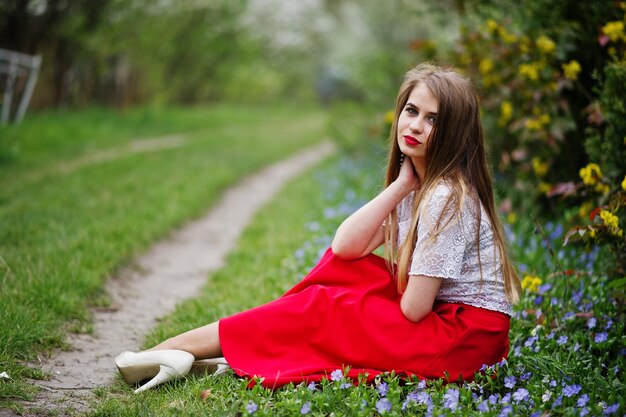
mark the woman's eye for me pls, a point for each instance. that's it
(432, 119)
(411, 110)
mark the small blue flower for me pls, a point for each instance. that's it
(509, 381)
(251, 407)
(493, 398)
(571, 390)
(306, 408)
(483, 407)
(601, 337)
(383, 405)
(311, 386)
(552, 383)
(345, 385)
(506, 411)
(520, 395)
(582, 400)
(544, 288)
(562, 340)
(609, 324)
(336, 375)
(451, 399)
(506, 399)
(530, 341)
(583, 412)
(558, 402)
(383, 388)
(611, 409)
(591, 323)
(525, 376)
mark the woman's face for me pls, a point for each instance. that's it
(415, 123)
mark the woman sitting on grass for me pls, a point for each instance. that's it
(437, 307)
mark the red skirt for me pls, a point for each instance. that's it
(346, 314)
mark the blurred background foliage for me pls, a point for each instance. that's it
(551, 75)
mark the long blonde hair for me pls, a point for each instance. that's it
(455, 153)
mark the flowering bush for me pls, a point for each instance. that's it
(552, 107)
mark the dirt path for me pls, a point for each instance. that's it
(171, 271)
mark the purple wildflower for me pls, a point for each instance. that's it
(609, 324)
(550, 336)
(583, 412)
(506, 411)
(251, 407)
(383, 405)
(562, 340)
(571, 390)
(558, 402)
(601, 337)
(530, 341)
(509, 381)
(544, 288)
(306, 408)
(506, 399)
(345, 385)
(451, 399)
(383, 388)
(493, 398)
(483, 407)
(611, 409)
(591, 323)
(520, 395)
(525, 376)
(336, 375)
(582, 400)
(535, 414)
(311, 386)
(552, 383)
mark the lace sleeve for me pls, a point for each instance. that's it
(440, 247)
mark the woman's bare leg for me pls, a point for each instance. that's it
(203, 342)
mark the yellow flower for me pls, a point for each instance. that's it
(611, 222)
(511, 217)
(614, 30)
(602, 188)
(531, 283)
(571, 69)
(585, 209)
(545, 119)
(530, 71)
(485, 66)
(540, 168)
(524, 45)
(590, 174)
(492, 26)
(545, 44)
(544, 187)
(389, 117)
(506, 36)
(506, 111)
(624, 183)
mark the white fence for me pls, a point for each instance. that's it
(17, 70)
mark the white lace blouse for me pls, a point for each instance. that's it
(452, 254)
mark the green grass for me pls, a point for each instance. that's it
(561, 363)
(64, 233)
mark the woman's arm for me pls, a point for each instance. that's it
(419, 297)
(363, 232)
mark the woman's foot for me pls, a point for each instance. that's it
(160, 365)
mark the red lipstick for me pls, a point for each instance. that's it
(411, 141)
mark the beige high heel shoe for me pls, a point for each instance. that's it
(161, 365)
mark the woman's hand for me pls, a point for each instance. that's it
(407, 178)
